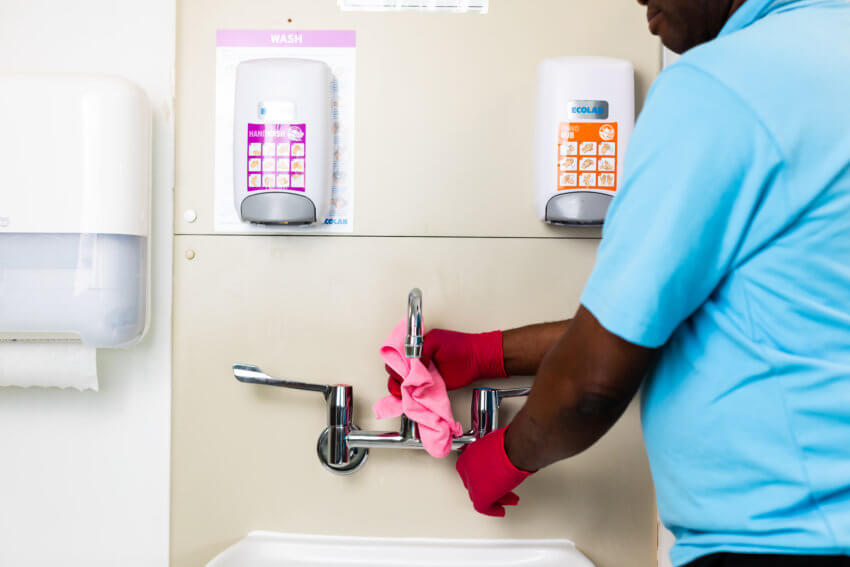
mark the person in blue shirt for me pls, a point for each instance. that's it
(721, 287)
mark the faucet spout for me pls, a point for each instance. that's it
(414, 338)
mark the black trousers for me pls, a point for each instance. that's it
(745, 560)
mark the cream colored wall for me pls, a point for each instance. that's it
(317, 308)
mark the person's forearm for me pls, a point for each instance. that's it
(524, 348)
(583, 386)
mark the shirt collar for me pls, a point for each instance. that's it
(754, 10)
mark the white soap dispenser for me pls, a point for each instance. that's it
(283, 150)
(585, 117)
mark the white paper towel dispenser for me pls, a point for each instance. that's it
(283, 141)
(75, 191)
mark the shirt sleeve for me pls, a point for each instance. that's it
(697, 168)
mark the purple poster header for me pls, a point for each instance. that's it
(286, 38)
(276, 132)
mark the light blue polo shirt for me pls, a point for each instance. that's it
(729, 247)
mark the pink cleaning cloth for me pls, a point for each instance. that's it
(424, 398)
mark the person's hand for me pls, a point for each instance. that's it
(489, 475)
(461, 358)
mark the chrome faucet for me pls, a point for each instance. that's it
(414, 339)
(342, 448)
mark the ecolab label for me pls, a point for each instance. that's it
(588, 109)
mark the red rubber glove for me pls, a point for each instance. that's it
(461, 358)
(489, 475)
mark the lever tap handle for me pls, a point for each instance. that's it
(339, 398)
(485, 408)
(513, 393)
(250, 374)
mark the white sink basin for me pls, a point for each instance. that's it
(268, 549)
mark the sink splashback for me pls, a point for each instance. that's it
(268, 549)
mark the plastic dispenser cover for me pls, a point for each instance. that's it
(75, 177)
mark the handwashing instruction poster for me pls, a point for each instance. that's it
(587, 156)
(277, 157)
(281, 165)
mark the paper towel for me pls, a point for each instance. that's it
(48, 365)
